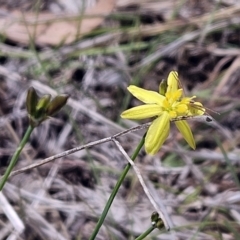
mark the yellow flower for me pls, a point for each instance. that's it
(170, 106)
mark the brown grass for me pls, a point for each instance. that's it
(139, 43)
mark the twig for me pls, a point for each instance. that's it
(73, 150)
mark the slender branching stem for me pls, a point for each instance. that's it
(115, 190)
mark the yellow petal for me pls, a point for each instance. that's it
(172, 80)
(174, 96)
(182, 109)
(172, 114)
(143, 111)
(145, 96)
(185, 130)
(157, 134)
(187, 100)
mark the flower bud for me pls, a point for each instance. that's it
(154, 218)
(31, 101)
(163, 87)
(159, 224)
(42, 105)
(56, 104)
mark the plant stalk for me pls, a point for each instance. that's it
(143, 235)
(115, 190)
(15, 156)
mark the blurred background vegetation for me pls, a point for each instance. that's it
(92, 50)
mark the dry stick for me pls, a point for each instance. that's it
(144, 186)
(73, 150)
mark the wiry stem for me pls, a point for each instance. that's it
(115, 190)
(15, 156)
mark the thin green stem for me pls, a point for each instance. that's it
(115, 190)
(143, 235)
(15, 156)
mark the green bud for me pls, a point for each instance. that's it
(154, 218)
(31, 101)
(163, 87)
(42, 106)
(56, 104)
(43, 102)
(159, 224)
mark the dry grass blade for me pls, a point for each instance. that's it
(144, 186)
(53, 29)
(45, 229)
(11, 214)
(234, 67)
